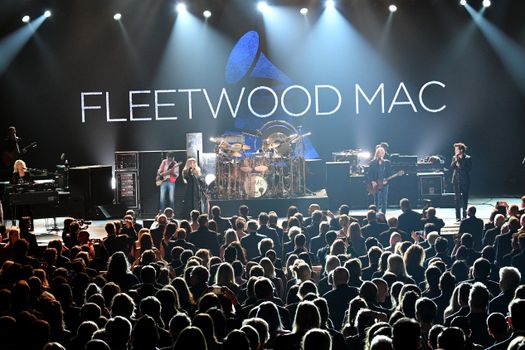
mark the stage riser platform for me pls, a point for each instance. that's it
(230, 207)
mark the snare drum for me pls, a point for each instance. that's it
(246, 165)
(261, 163)
(255, 186)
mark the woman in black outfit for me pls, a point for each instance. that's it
(194, 196)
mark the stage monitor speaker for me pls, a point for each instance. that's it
(430, 183)
(315, 174)
(358, 192)
(112, 211)
(337, 183)
(404, 187)
(93, 183)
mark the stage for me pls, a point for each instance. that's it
(484, 205)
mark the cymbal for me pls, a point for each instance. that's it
(241, 146)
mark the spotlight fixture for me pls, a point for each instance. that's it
(303, 11)
(181, 7)
(47, 14)
(26, 19)
(206, 14)
(262, 6)
(486, 3)
(392, 8)
(117, 16)
(462, 2)
(330, 4)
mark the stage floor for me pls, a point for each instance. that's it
(485, 205)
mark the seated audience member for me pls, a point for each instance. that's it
(433, 219)
(409, 220)
(509, 280)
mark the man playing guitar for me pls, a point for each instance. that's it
(378, 173)
(166, 176)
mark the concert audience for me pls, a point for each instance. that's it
(327, 282)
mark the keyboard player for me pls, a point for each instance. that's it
(22, 177)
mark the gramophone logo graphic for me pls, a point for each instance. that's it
(248, 64)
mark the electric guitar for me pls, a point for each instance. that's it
(9, 157)
(374, 188)
(165, 175)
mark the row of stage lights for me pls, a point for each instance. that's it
(262, 6)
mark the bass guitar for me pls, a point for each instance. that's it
(165, 175)
(375, 186)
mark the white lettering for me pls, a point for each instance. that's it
(380, 89)
(137, 105)
(224, 94)
(83, 106)
(108, 117)
(190, 105)
(275, 101)
(339, 99)
(433, 82)
(408, 102)
(157, 104)
(308, 105)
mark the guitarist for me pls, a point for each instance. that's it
(167, 175)
(378, 171)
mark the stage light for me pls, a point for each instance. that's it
(486, 3)
(26, 19)
(303, 11)
(181, 7)
(209, 178)
(392, 8)
(47, 14)
(462, 2)
(117, 16)
(206, 14)
(330, 4)
(262, 6)
(364, 155)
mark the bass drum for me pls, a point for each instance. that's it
(255, 186)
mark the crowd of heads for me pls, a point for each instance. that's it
(310, 280)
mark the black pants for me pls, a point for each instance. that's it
(461, 198)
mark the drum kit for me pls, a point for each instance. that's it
(269, 166)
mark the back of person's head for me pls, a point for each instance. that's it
(118, 330)
(190, 338)
(263, 288)
(306, 317)
(205, 323)
(451, 338)
(199, 275)
(497, 325)
(404, 204)
(216, 211)
(236, 339)
(202, 219)
(368, 291)
(509, 278)
(244, 210)
(340, 276)
(148, 274)
(405, 334)
(54, 346)
(433, 335)
(481, 268)
(144, 333)
(96, 344)
(261, 326)
(381, 342)
(447, 282)
(300, 240)
(316, 339)
(479, 297)
(354, 267)
(426, 310)
(268, 311)
(178, 322)
(463, 323)
(252, 335)
(306, 288)
(517, 314)
(441, 245)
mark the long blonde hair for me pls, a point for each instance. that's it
(196, 168)
(19, 162)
